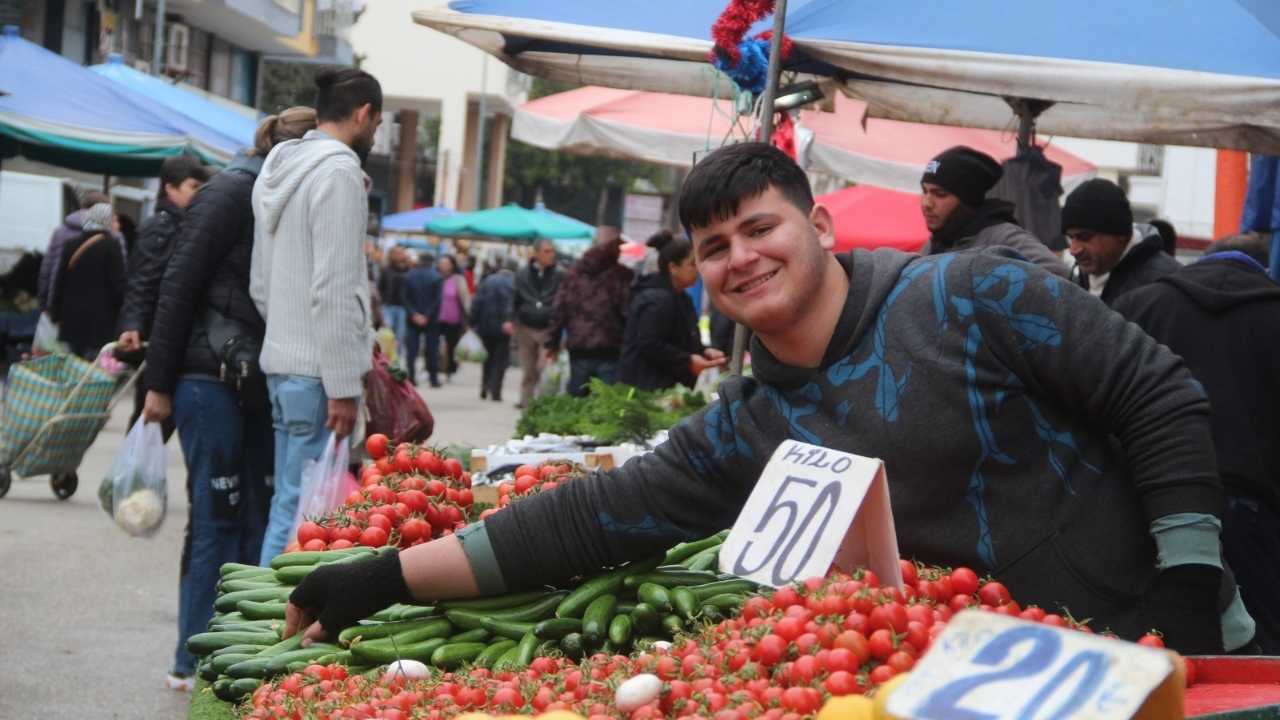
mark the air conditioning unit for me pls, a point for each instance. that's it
(176, 47)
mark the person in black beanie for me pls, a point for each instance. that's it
(961, 217)
(1113, 254)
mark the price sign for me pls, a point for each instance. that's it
(986, 666)
(813, 506)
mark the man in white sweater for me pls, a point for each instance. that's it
(308, 280)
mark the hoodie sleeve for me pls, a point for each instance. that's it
(339, 288)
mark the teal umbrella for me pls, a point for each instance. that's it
(510, 222)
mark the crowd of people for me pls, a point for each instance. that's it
(1051, 425)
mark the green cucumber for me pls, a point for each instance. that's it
(383, 651)
(229, 618)
(670, 578)
(525, 650)
(496, 649)
(689, 549)
(256, 626)
(596, 619)
(685, 602)
(571, 645)
(556, 628)
(237, 650)
(415, 612)
(231, 568)
(645, 618)
(654, 595)
(261, 610)
(454, 654)
(206, 672)
(702, 592)
(293, 574)
(230, 586)
(705, 560)
(611, 582)
(293, 642)
(620, 630)
(538, 610)
(205, 643)
(507, 661)
(626, 606)
(711, 613)
(507, 628)
(476, 635)
(338, 658)
(279, 663)
(220, 664)
(672, 624)
(313, 558)
(223, 690)
(497, 602)
(416, 630)
(725, 601)
(227, 601)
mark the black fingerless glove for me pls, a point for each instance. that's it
(1183, 604)
(341, 594)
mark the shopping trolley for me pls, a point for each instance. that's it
(54, 408)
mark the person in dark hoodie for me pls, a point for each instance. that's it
(205, 326)
(591, 310)
(70, 229)
(662, 345)
(89, 286)
(1113, 254)
(961, 217)
(1222, 315)
(975, 377)
(490, 309)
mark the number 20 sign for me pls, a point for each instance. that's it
(811, 507)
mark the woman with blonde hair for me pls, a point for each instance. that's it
(202, 367)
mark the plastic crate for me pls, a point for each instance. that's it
(1235, 688)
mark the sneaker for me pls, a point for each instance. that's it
(179, 682)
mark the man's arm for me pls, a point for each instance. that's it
(338, 209)
(146, 270)
(1030, 247)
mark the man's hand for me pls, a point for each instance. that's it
(509, 328)
(1182, 603)
(712, 354)
(157, 407)
(419, 319)
(342, 416)
(130, 341)
(698, 363)
(324, 602)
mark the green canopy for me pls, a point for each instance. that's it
(510, 222)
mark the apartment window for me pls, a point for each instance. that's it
(220, 68)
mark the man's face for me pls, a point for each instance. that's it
(182, 193)
(763, 266)
(1096, 253)
(367, 121)
(545, 255)
(937, 204)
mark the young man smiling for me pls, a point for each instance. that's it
(974, 376)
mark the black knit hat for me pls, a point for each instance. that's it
(964, 172)
(1098, 205)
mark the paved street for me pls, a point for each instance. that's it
(88, 615)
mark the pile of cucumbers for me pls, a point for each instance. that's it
(614, 612)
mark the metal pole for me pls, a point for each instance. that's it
(157, 46)
(484, 77)
(766, 131)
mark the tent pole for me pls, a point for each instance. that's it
(157, 44)
(766, 132)
(1027, 112)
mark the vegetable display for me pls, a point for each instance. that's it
(610, 413)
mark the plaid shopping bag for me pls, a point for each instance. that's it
(38, 390)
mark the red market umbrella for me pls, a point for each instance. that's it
(870, 217)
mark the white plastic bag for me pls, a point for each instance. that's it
(470, 348)
(139, 493)
(45, 341)
(325, 483)
(555, 376)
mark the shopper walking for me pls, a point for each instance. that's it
(591, 310)
(535, 292)
(88, 289)
(662, 345)
(455, 304)
(489, 312)
(391, 290)
(206, 328)
(421, 295)
(309, 282)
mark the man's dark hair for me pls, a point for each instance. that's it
(178, 169)
(717, 185)
(1252, 244)
(1168, 234)
(341, 91)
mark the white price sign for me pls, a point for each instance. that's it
(986, 666)
(811, 507)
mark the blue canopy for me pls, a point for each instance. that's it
(64, 114)
(1191, 72)
(236, 129)
(414, 221)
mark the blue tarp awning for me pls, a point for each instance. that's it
(413, 221)
(64, 114)
(1142, 70)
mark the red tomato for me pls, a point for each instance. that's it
(507, 699)
(313, 545)
(882, 674)
(964, 581)
(466, 498)
(340, 544)
(801, 700)
(770, 650)
(453, 466)
(840, 658)
(960, 602)
(994, 594)
(436, 488)
(900, 662)
(385, 465)
(804, 670)
(404, 461)
(526, 470)
(379, 520)
(889, 617)
(416, 500)
(917, 634)
(415, 529)
(842, 682)
(789, 628)
(855, 642)
(376, 445)
(785, 597)
(1152, 639)
(525, 483)
(373, 536)
(881, 644)
(910, 576)
(1054, 620)
(309, 531)
(1033, 613)
(350, 533)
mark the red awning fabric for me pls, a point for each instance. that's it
(869, 217)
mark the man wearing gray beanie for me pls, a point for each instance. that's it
(961, 217)
(1113, 254)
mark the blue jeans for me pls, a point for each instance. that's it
(228, 457)
(396, 318)
(299, 409)
(415, 336)
(582, 369)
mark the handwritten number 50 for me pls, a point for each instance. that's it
(786, 540)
